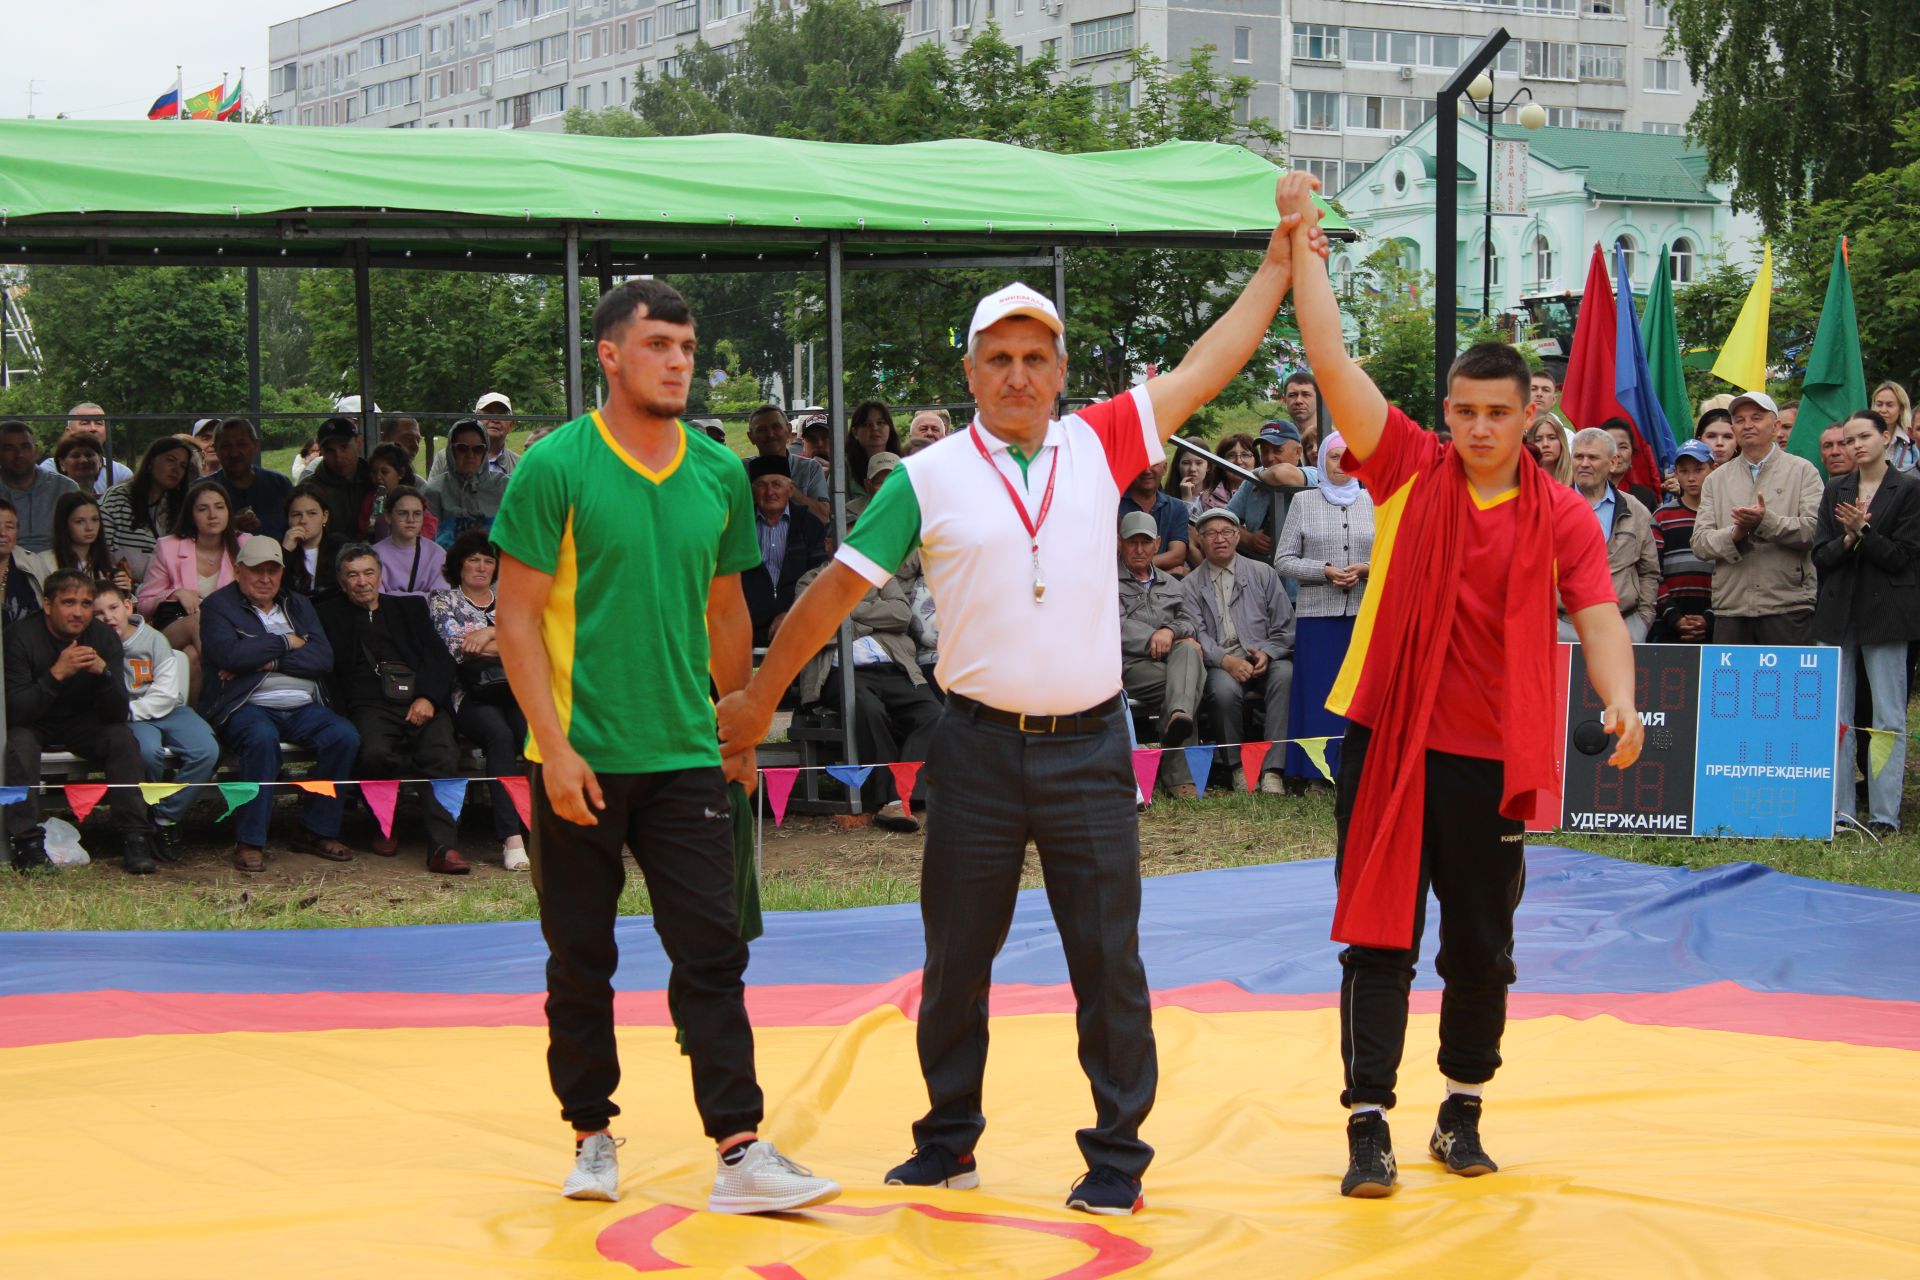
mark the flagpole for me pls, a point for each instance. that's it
(179, 93)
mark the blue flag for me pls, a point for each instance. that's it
(852, 775)
(1632, 379)
(1199, 764)
(452, 795)
(12, 795)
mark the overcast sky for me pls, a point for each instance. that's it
(108, 60)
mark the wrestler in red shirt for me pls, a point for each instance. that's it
(1450, 693)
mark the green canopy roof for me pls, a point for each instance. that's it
(1642, 167)
(170, 191)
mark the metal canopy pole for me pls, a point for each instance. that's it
(1446, 209)
(253, 343)
(363, 319)
(570, 297)
(837, 416)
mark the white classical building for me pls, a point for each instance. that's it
(1581, 187)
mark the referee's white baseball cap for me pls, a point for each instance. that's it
(1015, 300)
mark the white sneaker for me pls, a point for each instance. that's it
(516, 859)
(596, 1171)
(764, 1181)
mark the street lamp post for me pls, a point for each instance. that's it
(1481, 102)
(1446, 209)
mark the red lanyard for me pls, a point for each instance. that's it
(1032, 524)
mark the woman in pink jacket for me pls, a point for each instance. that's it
(189, 564)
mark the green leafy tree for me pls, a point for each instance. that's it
(1798, 97)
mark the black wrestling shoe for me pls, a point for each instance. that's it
(1103, 1189)
(1371, 1171)
(30, 852)
(136, 853)
(935, 1166)
(166, 842)
(1456, 1138)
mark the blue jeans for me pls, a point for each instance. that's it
(255, 734)
(194, 746)
(1887, 684)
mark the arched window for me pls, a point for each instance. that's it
(1542, 259)
(1485, 248)
(1680, 261)
(1631, 251)
(1343, 276)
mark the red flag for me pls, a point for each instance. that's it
(904, 772)
(1588, 397)
(517, 791)
(1146, 770)
(1252, 756)
(82, 796)
(779, 787)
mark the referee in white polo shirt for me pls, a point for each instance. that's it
(1014, 520)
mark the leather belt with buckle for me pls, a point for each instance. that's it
(1092, 720)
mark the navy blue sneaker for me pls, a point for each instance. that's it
(1456, 1138)
(1371, 1171)
(935, 1166)
(1104, 1189)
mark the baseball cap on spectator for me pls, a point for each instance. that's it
(351, 404)
(1698, 450)
(337, 428)
(1138, 524)
(881, 463)
(259, 551)
(1212, 513)
(1279, 433)
(486, 400)
(760, 468)
(1760, 398)
(1015, 300)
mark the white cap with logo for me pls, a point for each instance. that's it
(492, 398)
(1760, 398)
(1015, 300)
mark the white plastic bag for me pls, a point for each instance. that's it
(63, 844)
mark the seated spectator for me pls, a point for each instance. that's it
(538, 434)
(78, 544)
(258, 497)
(914, 446)
(342, 480)
(925, 627)
(879, 467)
(816, 436)
(1835, 456)
(202, 437)
(930, 425)
(310, 546)
(1864, 546)
(306, 461)
(1684, 612)
(1261, 508)
(792, 543)
(22, 569)
(404, 433)
(156, 677)
(393, 677)
(1627, 528)
(771, 437)
(188, 565)
(1553, 441)
(411, 563)
(893, 711)
(1185, 477)
(1245, 629)
(1715, 429)
(494, 412)
(870, 430)
(32, 492)
(483, 707)
(466, 495)
(1756, 523)
(1623, 443)
(265, 659)
(144, 509)
(1160, 661)
(88, 421)
(1891, 404)
(1783, 424)
(64, 690)
(1169, 517)
(391, 471)
(1326, 546)
(79, 459)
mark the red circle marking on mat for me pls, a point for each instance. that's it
(632, 1240)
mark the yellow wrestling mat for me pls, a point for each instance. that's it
(1626, 1150)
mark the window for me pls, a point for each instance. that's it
(466, 32)
(1680, 260)
(1328, 171)
(433, 87)
(1548, 6)
(336, 68)
(1663, 129)
(391, 93)
(350, 66)
(306, 76)
(1654, 13)
(1403, 48)
(436, 39)
(1605, 63)
(1602, 121)
(1117, 96)
(959, 12)
(1631, 251)
(1542, 259)
(1378, 112)
(486, 72)
(306, 115)
(1316, 110)
(669, 68)
(1316, 43)
(643, 31)
(1102, 36)
(1603, 8)
(684, 17)
(584, 99)
(1350, 172)
(924, 15)
(1495, 260)
(1243, 44)
(1547, 60)
(1663, 75)
(622, 82)
(625, 39)
(1050, 48)
(1240, 109)
(1343, 276)
(515, 61)
(1561, 117)
(466, 77)
(585, 45)
(486, 30)
(553, 49)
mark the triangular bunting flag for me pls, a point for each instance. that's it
(1199, 764)
(237, 794)
(155, 792)
(854, 776)
(381, 796)
(82, 796)
(779, 787)
(1146, 770)
(1316, 749)
(1252, 756)
(12, 795)
(904, 774)
(521, 793)
(1879, 750)
(318, 786)
(452, 795)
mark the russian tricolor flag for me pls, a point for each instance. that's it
(167, 105)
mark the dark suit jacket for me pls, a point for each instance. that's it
(767, 598)
(232, 639)
(1868, 594)
(419, 645)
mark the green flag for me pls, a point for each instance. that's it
(1836, 384)
(1664, 364)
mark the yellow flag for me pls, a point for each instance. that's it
(1879, 750)
(155, 792)
(1743, 358)
(1316, 749)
